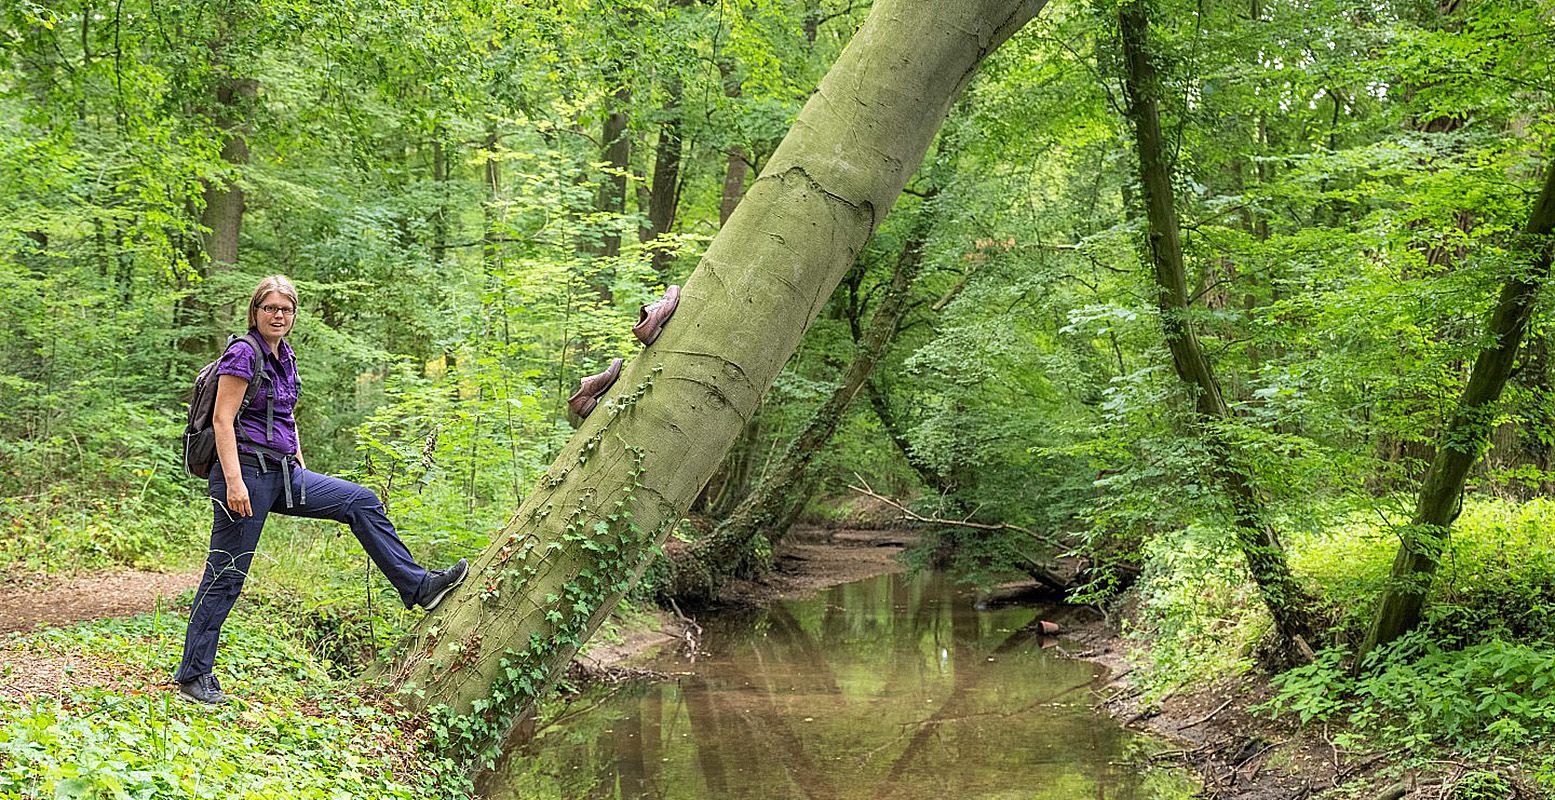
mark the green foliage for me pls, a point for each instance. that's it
(1351, 183)
(1495, 580)
(1198, 612)
(61, 534)
(1419, 694)
(293, 729)
(1473, 679)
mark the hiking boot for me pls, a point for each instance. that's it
(442, 581)
(651, 317)
(592, 388)
(204, 689)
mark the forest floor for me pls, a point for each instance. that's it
(55, 602)
(1239, 754)
(115, 593)
(810, 559)
(1212, 729)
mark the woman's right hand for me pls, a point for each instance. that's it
(237, 499)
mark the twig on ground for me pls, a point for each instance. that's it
(1332, 748)
(1207, 717)
(693, 632)
(1122, 694)
(1355, 767)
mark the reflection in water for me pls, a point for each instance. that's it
(894, 687)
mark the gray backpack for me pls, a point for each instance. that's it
(200, 432)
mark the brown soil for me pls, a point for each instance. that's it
(62, 601)
(57, 602)
(811, 559)
(26, 673)
(1237, 753)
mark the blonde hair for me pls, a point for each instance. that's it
(280, 284)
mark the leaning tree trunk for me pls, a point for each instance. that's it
(580, 539)
(1259, 543)
(1466, 436)
(698, 572)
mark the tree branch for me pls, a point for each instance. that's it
(914, 516)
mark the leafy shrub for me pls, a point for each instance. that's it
(1497, 574)
(1202, 617)
(1421, 694)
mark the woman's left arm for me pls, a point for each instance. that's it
(300, 462)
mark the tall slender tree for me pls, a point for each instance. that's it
(1467, 435)
(1259, 542)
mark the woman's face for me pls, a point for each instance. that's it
(275, 315)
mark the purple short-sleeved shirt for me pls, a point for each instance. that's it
(280, 391)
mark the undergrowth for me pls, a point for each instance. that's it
(1473, 681)
(63, 532)
(313, 617)
(293, 729)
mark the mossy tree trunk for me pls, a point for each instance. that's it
(581, 537)
(1257, 540)
(1467, 435)
(773, 505)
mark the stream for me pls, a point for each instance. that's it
(893, 687)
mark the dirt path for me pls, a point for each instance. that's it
(59, 602)
(809, 560)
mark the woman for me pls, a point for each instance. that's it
(261, 470)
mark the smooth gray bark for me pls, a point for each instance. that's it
(583, 535)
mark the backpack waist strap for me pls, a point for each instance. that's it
(264, 457)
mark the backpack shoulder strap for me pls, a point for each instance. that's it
(253, 385)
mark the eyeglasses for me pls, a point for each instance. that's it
(286, 311)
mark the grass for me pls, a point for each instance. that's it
(1473, 683)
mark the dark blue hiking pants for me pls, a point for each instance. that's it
(234, 538)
